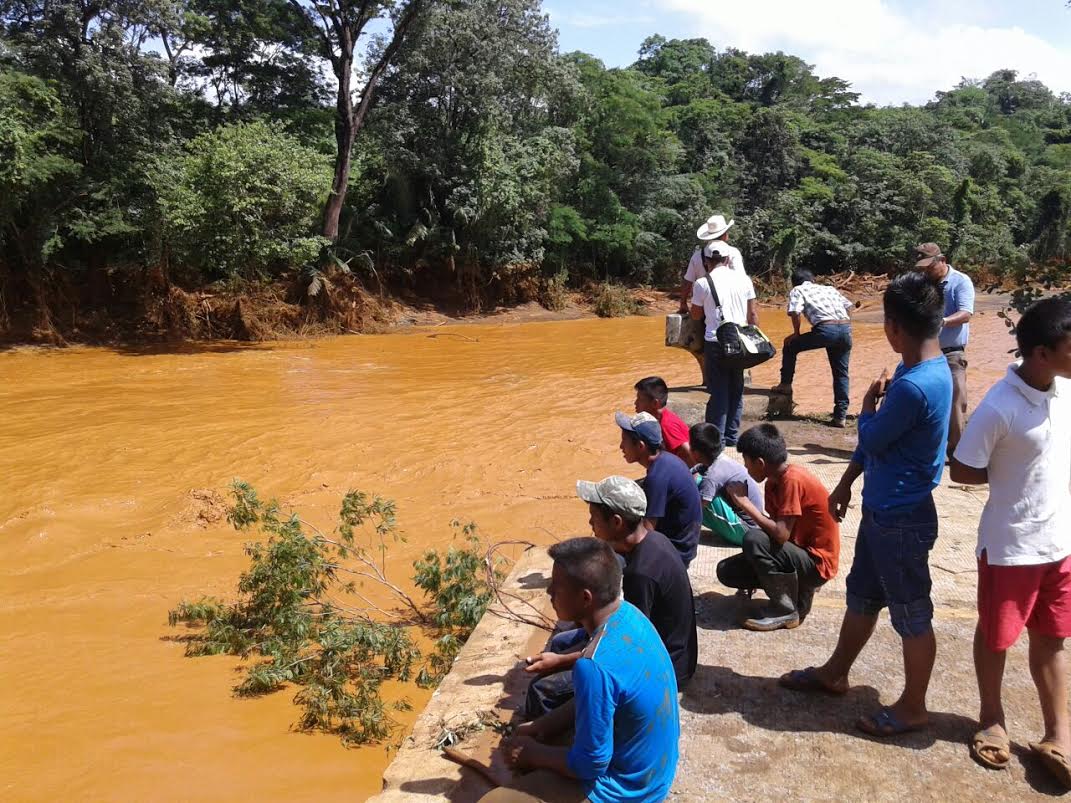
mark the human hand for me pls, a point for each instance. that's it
(838, 501)
(876, 391)
(542, 664)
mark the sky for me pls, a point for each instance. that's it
(891, 51)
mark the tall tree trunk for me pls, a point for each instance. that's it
(345, 133)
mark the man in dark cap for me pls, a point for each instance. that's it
(955, 328)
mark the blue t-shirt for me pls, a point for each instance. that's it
(902, 446)
(673, 499)
(959, 297)
(627, 720)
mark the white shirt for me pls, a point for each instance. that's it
(734, 291)
(695, 270)
(818, 303)
(1022, 436)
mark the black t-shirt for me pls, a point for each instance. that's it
(656, 582)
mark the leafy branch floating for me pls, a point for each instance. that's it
(302, 617)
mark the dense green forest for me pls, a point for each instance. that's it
(449, 149)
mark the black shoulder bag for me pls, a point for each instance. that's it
(739, 346)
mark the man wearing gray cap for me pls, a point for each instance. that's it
(673, 504)
(654, 580)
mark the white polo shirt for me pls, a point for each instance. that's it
(734, 291)
(695, 264)
(1022, 436)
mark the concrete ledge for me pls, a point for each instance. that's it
(485, 686)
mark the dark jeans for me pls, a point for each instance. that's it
(726, 389)
(553, 691)
(836, 339)
(891, 567)
(761, 557)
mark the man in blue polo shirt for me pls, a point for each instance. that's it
(955, 329)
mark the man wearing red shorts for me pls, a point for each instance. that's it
(1019, 441)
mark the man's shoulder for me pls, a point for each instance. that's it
(654, 555)
(958, 279)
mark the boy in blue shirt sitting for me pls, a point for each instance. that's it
(901, 454)
(625, 711)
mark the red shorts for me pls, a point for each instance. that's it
(1013, 597)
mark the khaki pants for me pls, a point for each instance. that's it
(540, 786)
(957, 364)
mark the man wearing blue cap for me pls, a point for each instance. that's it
(673, 505)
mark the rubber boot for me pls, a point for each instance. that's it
(804, 601)
(782, 590)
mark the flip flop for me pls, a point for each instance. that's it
(807, 680)
(991, 748)
(1054, 760)
(885, 724)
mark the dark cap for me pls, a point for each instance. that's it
(926, 254)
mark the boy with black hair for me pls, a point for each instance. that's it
(625, 713)
(828, 313)
(795, 548)
(714, 472)
(673, 506)
(1019, 442)
(901, 454)
(652, 396)
(654, 580)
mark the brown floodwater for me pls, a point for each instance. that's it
(107, 458)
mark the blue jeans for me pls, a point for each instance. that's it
(891, 567)
(553, 691)
(836, 339)
(725, 404)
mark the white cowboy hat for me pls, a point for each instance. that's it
(714, 228)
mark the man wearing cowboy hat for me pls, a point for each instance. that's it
(714, 229)
(955, 329)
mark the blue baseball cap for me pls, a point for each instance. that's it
(644, 425)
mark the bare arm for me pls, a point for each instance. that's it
(957, 318)
(696, 312)
(686, 294)
(967, 475)
(753, 312)
(795, 317)
(779, 530)
(842, 494)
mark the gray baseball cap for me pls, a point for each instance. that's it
(645, 426)
(620, 494)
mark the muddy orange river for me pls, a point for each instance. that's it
(109, 460)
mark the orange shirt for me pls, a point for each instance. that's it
(799, 493)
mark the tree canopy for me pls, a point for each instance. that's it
(199, 135)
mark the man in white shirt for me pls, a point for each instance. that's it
(831, 329)
(733, 301)
(1019, 441)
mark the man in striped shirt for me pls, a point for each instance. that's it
(828, 313)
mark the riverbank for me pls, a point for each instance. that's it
(155, 315)
(744, 737)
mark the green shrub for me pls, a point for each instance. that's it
(614, 301)
(554, 294)
(302, 615)
(243, 200)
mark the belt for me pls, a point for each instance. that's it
(953, 349)
(822, 323)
